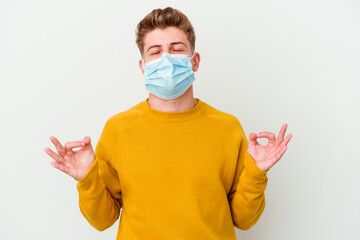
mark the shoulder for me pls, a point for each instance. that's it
(125, 118)
(227, 120)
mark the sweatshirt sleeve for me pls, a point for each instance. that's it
(247, 194)
(99, 190)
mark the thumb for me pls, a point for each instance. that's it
(252, 139)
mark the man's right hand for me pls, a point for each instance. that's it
(74, 163)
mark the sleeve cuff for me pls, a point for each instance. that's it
(91, 184)
(253, 179)
(252, 168)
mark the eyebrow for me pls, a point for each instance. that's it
(173, 43)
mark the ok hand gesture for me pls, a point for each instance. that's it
(74, 163)
(266, 156)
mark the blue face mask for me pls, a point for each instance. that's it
(169, 76)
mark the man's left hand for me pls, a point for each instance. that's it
(266, 156)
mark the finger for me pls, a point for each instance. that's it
(59, 148)
(60, 166)
(287, 139)
(281, 135)
(52, 154)
(252, 139)
(280, 153)
(70, 145)
(87, 141)
(268, 135)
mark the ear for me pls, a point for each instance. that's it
(141, 66)
(195, 61)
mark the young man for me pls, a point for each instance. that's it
(178, 167)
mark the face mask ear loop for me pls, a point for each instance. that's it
(193, 55)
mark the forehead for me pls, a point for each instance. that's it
(164, 37)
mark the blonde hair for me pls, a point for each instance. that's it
(162, 18)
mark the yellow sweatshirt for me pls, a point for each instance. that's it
(176, 176)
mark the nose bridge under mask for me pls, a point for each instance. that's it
(143, 61)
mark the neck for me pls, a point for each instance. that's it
(182, 103)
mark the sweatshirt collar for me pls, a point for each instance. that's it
(174, 116)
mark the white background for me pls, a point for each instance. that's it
(67, 66)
